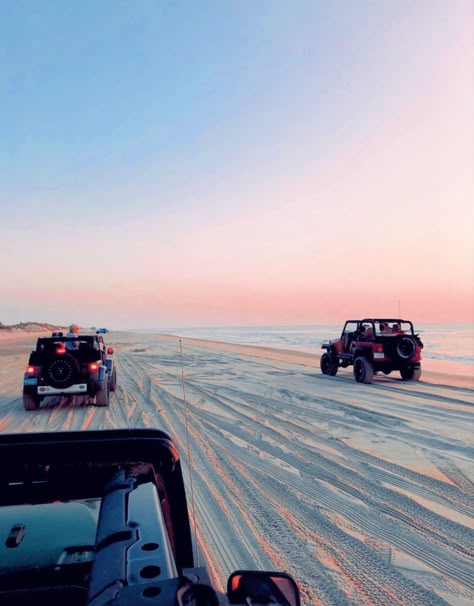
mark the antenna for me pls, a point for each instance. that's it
(193, 509)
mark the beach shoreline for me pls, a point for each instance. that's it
(450, 373)
(443, 372)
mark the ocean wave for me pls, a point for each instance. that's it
(449, 358)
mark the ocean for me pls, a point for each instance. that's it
(448, 342)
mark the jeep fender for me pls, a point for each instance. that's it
(365, 352)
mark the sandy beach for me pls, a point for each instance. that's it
(363, 492)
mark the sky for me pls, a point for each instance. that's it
(218, 163)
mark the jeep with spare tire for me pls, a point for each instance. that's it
(374, 345)
(69, 366)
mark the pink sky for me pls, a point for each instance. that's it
(303, 223)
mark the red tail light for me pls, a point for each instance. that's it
(379, 348)
(110, 350)
(30, 370)
(60, 349)
(93, 366)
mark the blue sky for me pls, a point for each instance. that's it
(171, 135)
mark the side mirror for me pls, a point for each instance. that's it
(262, 589)
(110, 350)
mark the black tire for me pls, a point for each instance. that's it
(113, 380)
(102, 396)
(411, 373)
(329, 364)
(406, 348)
(30, 402)
(62, 371)
(363, 370)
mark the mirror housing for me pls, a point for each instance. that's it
(259, 588)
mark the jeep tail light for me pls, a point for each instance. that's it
(379, 348)
(93, 366)
(60, 349)
(30, 370)
(110, 350)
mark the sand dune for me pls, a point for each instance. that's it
(363, 492)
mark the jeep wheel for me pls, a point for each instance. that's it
(62, 372)
(363, 370)
(411, 373)
(113, 380)
(30, 402)
(102, 396)
(406, 348)
(328, 364)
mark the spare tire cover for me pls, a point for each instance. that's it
(62, 371)
(406, 348)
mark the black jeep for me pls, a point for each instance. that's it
(60, 365)
(375, 345)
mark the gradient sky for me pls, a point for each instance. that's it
(235, 163)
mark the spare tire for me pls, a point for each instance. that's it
(406, 348)
(62, 371)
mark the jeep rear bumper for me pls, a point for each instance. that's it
(47, 390)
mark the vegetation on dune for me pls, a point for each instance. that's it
(30, 327)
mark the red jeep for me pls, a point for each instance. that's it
(375, 345)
